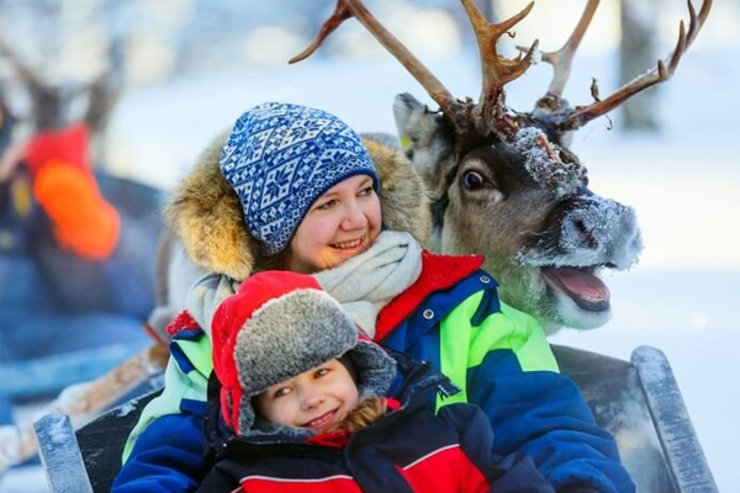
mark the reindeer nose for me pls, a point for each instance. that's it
(580, 228)
(583, 232)
(602, 226)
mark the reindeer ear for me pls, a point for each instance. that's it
(422, 136)
(406, 110)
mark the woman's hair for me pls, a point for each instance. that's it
(278, 261)
(366, 413)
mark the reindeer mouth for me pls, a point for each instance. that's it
(581, 284)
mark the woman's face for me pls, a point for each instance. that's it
(341, 224)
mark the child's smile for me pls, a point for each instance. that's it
(315, 399)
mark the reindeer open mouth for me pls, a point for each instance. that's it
(581, 284)
(585, 236)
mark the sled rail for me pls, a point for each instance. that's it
(60, 455)
(677, 436)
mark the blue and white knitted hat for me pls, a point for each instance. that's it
(280, 158)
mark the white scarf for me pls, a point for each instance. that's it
(366, 283)
(363, 284)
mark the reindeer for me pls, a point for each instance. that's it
(53, 106)
(505, 183)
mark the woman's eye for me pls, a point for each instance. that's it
(365, 192)
(326, 205)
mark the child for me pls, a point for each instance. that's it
(302, 406)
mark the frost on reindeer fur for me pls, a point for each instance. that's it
(559, 178)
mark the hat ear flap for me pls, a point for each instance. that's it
(246, 415)
(237, 417)
(376, 369)
(227, 409)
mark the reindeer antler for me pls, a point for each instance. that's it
(562, 59)
(46, 98)
(497, 70)
(346, 9)
(25, 73)
(660, 73)
(490, 113)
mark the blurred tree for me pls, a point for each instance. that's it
(637, 54)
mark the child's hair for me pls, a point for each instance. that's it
(366, 413)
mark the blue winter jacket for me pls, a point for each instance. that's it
(451, 317)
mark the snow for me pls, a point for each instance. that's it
(24, 480)
(58, 429)
(683, 183)
(125, 409)
(559, 178)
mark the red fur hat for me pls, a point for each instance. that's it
(281, 324)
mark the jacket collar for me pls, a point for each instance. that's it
(439, 272)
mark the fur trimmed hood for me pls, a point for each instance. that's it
(205, 213)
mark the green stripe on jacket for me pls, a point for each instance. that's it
(464, 346)
(177, 386)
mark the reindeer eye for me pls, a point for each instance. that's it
(472, 180)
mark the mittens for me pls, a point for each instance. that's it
(65, 188)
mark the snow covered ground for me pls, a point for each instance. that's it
(684, 184)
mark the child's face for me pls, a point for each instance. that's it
(315, 399)
(341, 224)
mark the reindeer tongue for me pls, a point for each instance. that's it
(587, 290)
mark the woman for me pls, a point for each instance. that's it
(304, 186)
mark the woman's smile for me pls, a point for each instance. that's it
(346, 245)
(351, 244)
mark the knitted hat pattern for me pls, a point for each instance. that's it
(280, 158)
(281, 324)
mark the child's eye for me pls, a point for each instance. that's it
(322, 371)
(281, 392)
